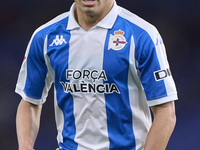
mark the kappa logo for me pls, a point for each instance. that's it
(117, 41)
(58, 41)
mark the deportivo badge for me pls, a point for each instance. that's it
(117, 41)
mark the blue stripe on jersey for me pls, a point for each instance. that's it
(119, 114)
(36, 68)
(146, 56)
(59, 57)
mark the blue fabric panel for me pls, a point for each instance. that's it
(119, 114)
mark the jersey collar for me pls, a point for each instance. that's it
(107, 22)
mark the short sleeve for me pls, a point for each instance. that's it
(155, 74)
(34, 80)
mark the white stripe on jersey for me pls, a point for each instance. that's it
(90, 113)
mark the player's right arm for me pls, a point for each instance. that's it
(27, 124)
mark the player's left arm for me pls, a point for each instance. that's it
(162, 126)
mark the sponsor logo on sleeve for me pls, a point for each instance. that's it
(162, 74)
(24, 58)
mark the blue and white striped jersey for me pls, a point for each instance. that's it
(104, 79)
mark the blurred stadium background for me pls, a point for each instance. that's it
(178, 21)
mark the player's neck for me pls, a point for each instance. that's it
(87, 21)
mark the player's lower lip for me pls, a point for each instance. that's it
(88, 2)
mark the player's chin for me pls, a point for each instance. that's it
(90, 11)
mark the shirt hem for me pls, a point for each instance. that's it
(29, 99)
(163, 100)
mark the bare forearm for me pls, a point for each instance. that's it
(161, 129)
(27, 124)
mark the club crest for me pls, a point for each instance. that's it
(117, 41)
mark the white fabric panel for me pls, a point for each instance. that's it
(89, 109)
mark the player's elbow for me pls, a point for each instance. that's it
(172, 119)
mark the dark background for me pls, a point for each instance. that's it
(178, 21)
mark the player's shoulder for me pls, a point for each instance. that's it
(137, 21)
(45, 28)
